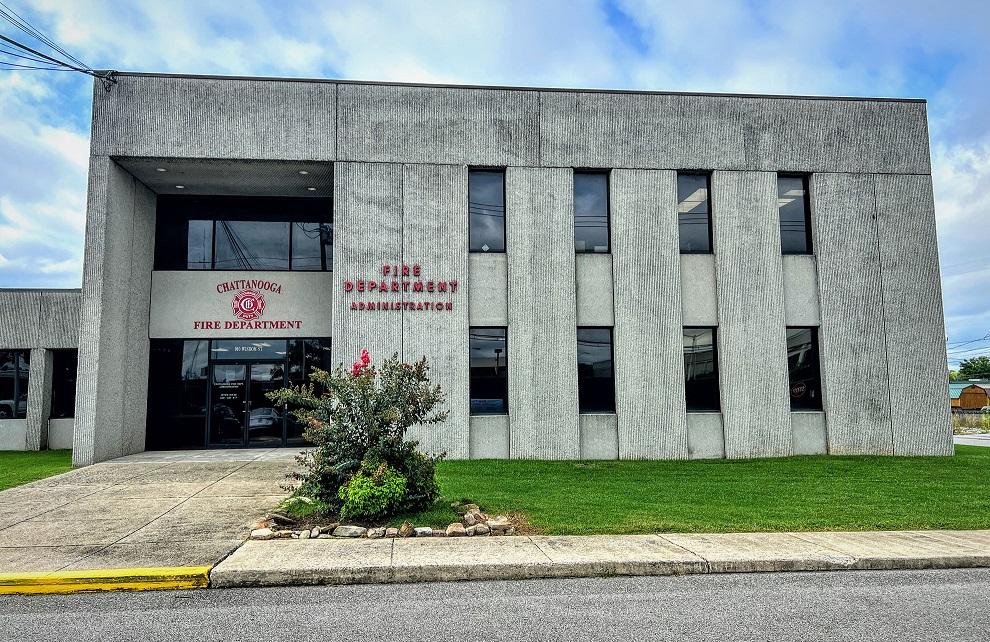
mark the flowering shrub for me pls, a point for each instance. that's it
(359, 418)
(372, 493)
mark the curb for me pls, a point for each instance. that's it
(113, 579)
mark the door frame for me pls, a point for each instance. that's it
(245, 424)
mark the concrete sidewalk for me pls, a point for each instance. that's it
(294, 562)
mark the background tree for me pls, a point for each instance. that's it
(974, 368)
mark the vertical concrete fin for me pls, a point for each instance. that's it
(543, 406)
(649, 362)
(39, 399)
(752, 345)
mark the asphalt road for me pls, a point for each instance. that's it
(871, 605)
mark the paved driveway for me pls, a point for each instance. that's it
(972, 440)
(188, 508)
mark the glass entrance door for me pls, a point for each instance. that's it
(266, 426)
(241, 414)
(228, 404)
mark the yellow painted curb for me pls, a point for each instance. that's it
(111, 579)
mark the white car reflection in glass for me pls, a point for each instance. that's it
(263, 418)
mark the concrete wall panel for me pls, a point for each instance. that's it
(599, 436)
(19, 318)
(215, 118)
(39, 318)
(649, 361)
(801, 290)
(438, 125)
(435, 236)
(543, 403)
(488, 289)
(810, 433)
(13, 434)
(594, 289)
(752, 346)
(59, 311)
(912, 308)
(853, 354)
(60, 433)
(490, 437)
(39, 401)
(705, 437)
(699, 301)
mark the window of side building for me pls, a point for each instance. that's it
(591, 212)
(596, 378)
(486, 210)
(803, 369)
(14, 369)
(795, 214)
(701, 370)
(694, 213)
(64, 366)
(489, 361)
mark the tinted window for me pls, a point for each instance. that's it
(486, 211)
(596, 384)
(700, 369)
(802, 368)
(312, 246)
(252, 245)
(64, 366)
(591, 232)
(795, 218)
(694, 213)
(177, 393)
(489, 371)
(200, 246)
(14, 366)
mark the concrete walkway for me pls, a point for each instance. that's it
(148, 510)
(972, 440)
(335, 561)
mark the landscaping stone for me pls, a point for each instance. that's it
(391, 532)
(304, 534)
(499, 524)
(315, 532)
(349, 531)
(281, 520)
(423, 531)
(456, 530)
(470, 508)
(406, 530)
(479, 529)
(262, 533)
(325, 536)
(376, 533)
(286, 534)
(469, 519)
(439, 533)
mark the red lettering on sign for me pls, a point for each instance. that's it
(348, 286)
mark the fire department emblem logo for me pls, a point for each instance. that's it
(248, 305)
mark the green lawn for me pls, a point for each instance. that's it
(18, 468)
(797, 493)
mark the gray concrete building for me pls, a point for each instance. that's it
(591, 274)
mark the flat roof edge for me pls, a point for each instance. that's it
(75, 290)
(521, 88)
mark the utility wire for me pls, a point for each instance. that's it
(108, 78)
(15, 19)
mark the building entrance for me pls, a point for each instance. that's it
(241, 414)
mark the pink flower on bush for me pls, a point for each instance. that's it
(358, 367)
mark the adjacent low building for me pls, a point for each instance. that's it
(591, 274)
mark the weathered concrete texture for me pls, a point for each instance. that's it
(892, 550)
(215, 118)
(367, 235)
(60, 433)
(599, 436)
(752, 345)
(39, 318)
(593, 274)
(113, 335)
(699, 301)
(648, 336)
(13, 434)
(810, 433)
(232, 177)
(438, 125)
(801, 290)
(306, 562)
(490, 437)
(628, 555)
(733, 133)
(39, 401)
(853, 352)
(705, 437)
(435, 236)
(912, 310)
(760, 552)
(542, 347)
(488, 285)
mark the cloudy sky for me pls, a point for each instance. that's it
(907, 48)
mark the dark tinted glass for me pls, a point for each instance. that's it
(64, 366)
(312, 246)
(489, 371)
(596, 384)
(803, 370)
(252, 245)
(694, 213)
(591, 232)
(248, 349)
(700, 369)
(177, 393)
(14, 366)
(795, 219)
(486, 211)
(200, 246)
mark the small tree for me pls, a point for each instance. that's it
(357, 420)
(974, 368)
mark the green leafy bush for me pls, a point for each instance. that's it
(374, 492)
(359, 417)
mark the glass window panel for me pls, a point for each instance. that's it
(199, 246)
(803, 370)
(489, 371)
(486, 211)
(252, 245)
(14, 367)
(596, 383)
(700, 370)
(694, 213)
(591, 233)
(795, 221)
(64, 366)
(248, 349)
(177, 393)
(312, 246)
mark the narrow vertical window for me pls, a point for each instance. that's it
(596, 380)
(489, 362)
(64, 366)
(15, 365)
(200, 245)
(795, 214)
(803, 370)
(486, 210)
(694, 213)
(591, 229)
(700, 370)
